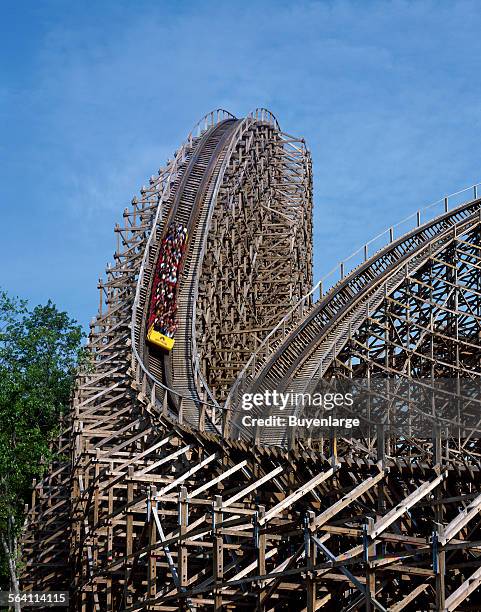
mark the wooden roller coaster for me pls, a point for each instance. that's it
(159, 500)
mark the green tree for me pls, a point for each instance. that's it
(40, 352)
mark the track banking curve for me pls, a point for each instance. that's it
(175, 382)
(186, 206)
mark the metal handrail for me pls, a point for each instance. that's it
(208, 120)
(264, 115)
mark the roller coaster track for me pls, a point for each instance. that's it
(190, 201)
(189, 208)
(308, 350)
(160, 499)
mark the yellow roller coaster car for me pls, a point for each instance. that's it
(155, 337)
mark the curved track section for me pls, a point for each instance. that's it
(188, 208)
(311, 349)
(244, 193)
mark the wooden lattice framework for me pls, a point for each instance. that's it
(161, 505)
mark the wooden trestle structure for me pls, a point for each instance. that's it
(156, 502)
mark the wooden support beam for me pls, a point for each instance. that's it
(293, 497)
(218, 556)
(383, 523)
(410, 597)
(464, 591)
(218, 479)
(460, 521)
(252, 487)
(325, 516)
(352, 579)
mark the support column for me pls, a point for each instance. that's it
(182, 550)
(218, 558)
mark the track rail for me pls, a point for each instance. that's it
(191, 199)
(176, 383)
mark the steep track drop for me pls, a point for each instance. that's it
(189, 208)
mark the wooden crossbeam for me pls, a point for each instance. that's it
(460, 521)
(409, 598)
(383, 523)
(144, 454)
(464, 591)
(213, 482)
(160, 462)
(253, 486)
(293, 497)
(246, 570)
(186, 475)
(349, 575)
(325, 516)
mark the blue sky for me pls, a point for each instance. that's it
(95, 96)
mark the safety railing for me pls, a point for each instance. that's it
(392, 233)
(208, 121)
(262, 115)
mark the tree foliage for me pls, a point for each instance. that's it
(40, 352)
